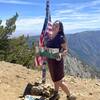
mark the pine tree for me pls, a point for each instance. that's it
(5, 32)
(20, 52)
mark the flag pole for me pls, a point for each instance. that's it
(44, 61)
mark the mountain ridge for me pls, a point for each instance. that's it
(86, 46)
(82, 45)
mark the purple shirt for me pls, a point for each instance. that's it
(56, 41)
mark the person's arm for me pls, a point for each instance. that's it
(65, 49)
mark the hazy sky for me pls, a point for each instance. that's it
(76, 15)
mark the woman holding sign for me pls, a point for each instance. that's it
(56, 66)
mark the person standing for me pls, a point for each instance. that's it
(56, 66)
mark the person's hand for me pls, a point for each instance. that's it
(64, 53)
(59, 57)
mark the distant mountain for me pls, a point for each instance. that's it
(32, 39)
(76, 67)
(86, 46)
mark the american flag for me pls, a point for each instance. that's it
(45, 34)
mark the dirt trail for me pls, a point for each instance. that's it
(14, 78)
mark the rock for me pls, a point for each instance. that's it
(37, 83)
(73, 80)
(41, 90)
(46, 93)
(0, 81)
(90, 93)
(36, 90)
(97, 84)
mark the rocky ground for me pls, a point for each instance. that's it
(14, 78)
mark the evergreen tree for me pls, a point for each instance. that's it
(5, 32)
(15, 50)
(20, 52)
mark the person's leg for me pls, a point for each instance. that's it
(55, 95)
(56, 86)
(66, 90)
(64, 87)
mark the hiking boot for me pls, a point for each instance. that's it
(71, 97)
(55, 96)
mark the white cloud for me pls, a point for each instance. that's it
(79, 21)
(72, 22)
(18, 2)
(3, 22)
(76, 17)
(30, 25)
(87, 5)
(64, 11)
(79, 6)
(30, 21)
(72, 17)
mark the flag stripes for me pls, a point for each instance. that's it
(46, 31)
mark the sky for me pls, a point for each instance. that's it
(76, 15)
